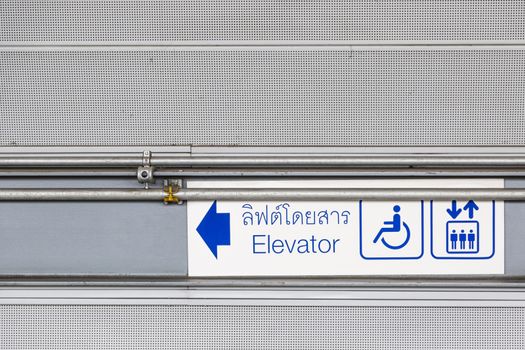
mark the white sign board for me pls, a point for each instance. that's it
(295, 238)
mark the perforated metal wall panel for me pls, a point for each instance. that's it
(270, 96)
(259, 327)
(246, 20)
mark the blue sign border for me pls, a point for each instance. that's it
(463, 257)
(392, 258)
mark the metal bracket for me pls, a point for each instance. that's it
(171, 187)
(145, 172)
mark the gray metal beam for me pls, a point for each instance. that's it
(358, 161)
(260, 194)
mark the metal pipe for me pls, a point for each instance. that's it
(342, 194)
(21, 161)
(68, 194)
(346, 161)
(266, 172)
(368, 194)
(342, 161)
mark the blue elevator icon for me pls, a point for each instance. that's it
(462, 235)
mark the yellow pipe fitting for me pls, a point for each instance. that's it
(170, 197)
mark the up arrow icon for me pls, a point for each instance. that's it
(471, 206)
(215, 229)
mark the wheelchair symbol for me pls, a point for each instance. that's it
(394, 226)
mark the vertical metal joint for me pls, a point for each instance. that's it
(145, 172)
(170, 190)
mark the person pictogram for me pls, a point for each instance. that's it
(394, 226)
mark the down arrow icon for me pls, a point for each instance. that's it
(215, 229)
(454, 211)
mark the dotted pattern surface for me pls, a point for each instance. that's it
(246, 20)
(255, 97)
(260, 327)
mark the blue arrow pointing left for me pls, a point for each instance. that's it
(215, 229)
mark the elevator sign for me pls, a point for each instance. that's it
(346, 238)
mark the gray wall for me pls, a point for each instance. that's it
(91, 237)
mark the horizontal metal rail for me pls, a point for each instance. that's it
(69, 194)
(342, 194)
(21, 161)
(376, 194)
(341, 161)
(344, 161)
